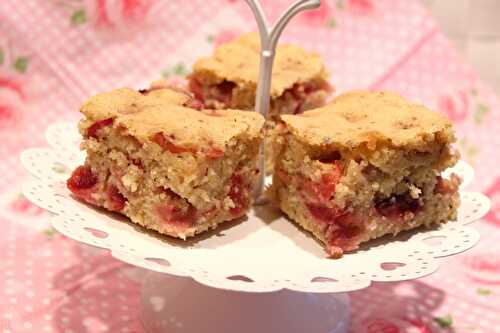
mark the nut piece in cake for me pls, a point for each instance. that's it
(164, 164)
(365, 165)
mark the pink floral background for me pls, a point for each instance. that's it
(56, 53)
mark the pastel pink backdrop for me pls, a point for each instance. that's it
(56, 53)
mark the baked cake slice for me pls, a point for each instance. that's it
(153, 157)
(365, 165)
(228, 79)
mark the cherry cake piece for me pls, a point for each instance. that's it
(365, 165)
(228, 79)
(165, 164)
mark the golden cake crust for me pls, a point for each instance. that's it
(238, 62)
(162, 110)
(369, 119)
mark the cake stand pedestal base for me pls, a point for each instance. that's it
(178, 304)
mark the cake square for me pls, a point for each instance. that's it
(228, 78)
(153, 157)
(365, 165)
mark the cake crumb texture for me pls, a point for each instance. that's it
(371, 118)
(163, 110)
(238, 61)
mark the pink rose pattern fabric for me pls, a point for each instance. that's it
(54, 54)
(14, 85)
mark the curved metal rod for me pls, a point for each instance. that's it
(261, 19)
(268, 40)
(287, 16)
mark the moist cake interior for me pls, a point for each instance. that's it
(364, 166)
(166, 166)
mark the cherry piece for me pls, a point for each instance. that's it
(116, 199)
(167, 144)
(92, 130)
(238, 193)
(82, 178)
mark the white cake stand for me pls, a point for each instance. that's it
(258, 274)
(260, 270)
(177, 304)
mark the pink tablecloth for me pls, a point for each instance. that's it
(55, 53)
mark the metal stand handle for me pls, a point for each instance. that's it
(269, 37)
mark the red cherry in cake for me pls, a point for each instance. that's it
(317, 194)
(447, 186)
(397, 206)
(225, 91)
(176, 211)
(92, 131)
(322, 213)
(310, 87)
(297, 91)
(299, 108)
(343, 233)
(214, 152)
(194, 103)
(210, 212)
(168, 144)
(178, 216)
(196, 88)
(322, 191)
(81, 179)
(137, 162)
(116, 199)
(238, 192)
(333, 158)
